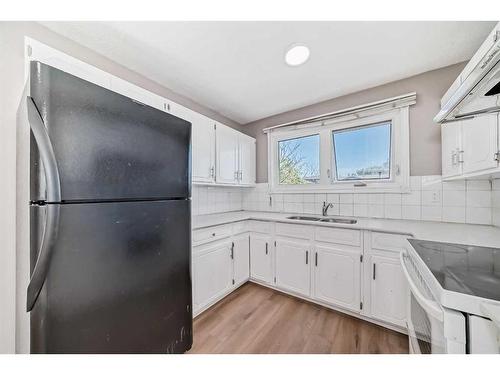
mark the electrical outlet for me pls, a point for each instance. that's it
(436, 196)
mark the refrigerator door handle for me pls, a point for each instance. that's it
(53, 183)
(44, 254)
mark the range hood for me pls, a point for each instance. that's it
(477, 90)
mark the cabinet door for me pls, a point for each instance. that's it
(227, 154)
(479, 138)
(212, 274)
(202, 143)
(293, 271)
(388, 289)
(450, 148)
(260, 258)
(337, 276)
(247, 160)
(203, 147)
(241, 258)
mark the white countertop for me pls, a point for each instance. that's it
(468, 234)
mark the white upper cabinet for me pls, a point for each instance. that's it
(203, 149)
(202, 142)
(293, 270)
(227, 154)
(470, 147)
(247, 160)
(235, 155)
(480, 139)
(451, 147)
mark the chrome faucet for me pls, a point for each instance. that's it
(326, 207)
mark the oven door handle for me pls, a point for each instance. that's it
(431, 307)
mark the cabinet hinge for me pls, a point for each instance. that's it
(361, 305)
(361, 258)
(275, 280)
(496, 156)
(215, 126)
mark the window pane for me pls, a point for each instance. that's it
(363, 153)
(298, 160)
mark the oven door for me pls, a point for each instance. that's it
(432, 329)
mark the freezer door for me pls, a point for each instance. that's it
(106, 146)
(118, 279)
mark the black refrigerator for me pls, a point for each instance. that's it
(110, 221)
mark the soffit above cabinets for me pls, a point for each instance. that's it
(238, 68)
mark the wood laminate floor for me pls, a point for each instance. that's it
(255, 319)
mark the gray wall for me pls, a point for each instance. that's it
(11, 85)
(425, 135)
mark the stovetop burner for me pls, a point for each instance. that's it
(472, 270)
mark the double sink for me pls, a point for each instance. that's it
(324, 219)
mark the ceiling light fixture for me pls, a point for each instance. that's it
(296, 55)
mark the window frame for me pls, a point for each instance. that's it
(291, 139)
(334, 170)
(399, 163)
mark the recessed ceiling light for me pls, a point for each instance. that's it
(296, 55)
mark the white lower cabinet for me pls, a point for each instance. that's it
(212, 273)
(293, 266)
(241, 258)
(337, 274)
(352, 270)
(388, 289)
(261, 264)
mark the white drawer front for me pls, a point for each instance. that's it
(240, 227)
(294, 230)
(260, 226)
(386, 241)
(204, 235)
(337, 235)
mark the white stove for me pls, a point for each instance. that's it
(454, 304)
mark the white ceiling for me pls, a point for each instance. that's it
(237, 68)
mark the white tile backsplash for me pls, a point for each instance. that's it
(411, 212)
(478, 198)
(212, 199)
(429, 199)
(495, 203)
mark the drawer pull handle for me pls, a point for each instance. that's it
(213, 234)
(307, 257)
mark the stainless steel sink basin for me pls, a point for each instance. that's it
(339, 221)
(324, 220)
(309, 218)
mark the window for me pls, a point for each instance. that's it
(358, 150)
(298, 160)
(362, 153)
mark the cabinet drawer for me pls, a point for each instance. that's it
(294, 230)
(240, 227)
(259, 226)
(386, 241)
(337, 235)
(211, 234)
